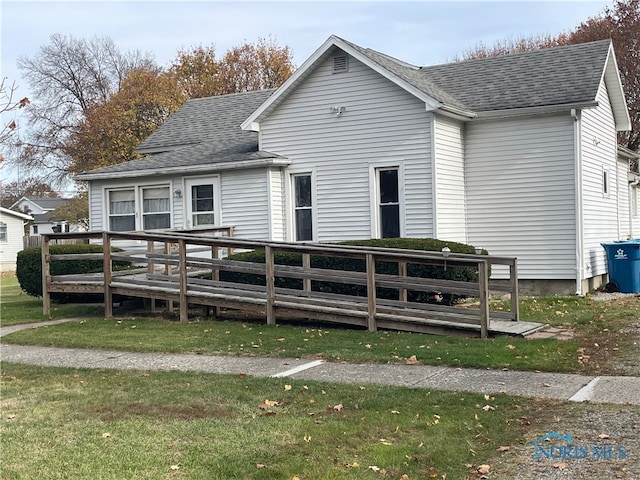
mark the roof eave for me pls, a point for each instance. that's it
(544, 109)
(218, 167)
(611, 77)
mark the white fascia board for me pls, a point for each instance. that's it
(611, 77)
(262, 162)
(13, 213)
(518, 112)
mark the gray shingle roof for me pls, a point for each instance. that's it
(211, 119)
(204, 131)
(550, 76)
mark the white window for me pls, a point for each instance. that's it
(156, 208)
(202, 202)
(3, 232)
(152, 202)
(302, 207)
(122, 210)
(388, 200)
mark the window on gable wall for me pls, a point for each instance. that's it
(388, 203)
(303, 207)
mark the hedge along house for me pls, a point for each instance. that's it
(516, 154)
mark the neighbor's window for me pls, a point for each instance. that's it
(388, 203)
(35, 229)
(122, 210)
(156, 208)
(303, 207)
(3, 232)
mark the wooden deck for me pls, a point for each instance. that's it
(193, 269)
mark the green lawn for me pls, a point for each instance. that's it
(67, 423)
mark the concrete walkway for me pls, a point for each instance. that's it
(557, 386)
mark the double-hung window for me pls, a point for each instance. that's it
(388, 203)
(156, 208)
(3, 232)
(303, 207)
(122, 210)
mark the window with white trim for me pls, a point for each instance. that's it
(139, 208)
(3, 232)
(156, 208)
(388, 199)
(303, 207)
(122, 210)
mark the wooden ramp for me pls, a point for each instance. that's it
(360, 289)
(521, 329)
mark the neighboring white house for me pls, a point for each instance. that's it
(516, 154)
(44, 220)
(11, 234)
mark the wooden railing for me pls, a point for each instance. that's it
(193, 269)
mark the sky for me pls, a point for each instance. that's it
(420, 32)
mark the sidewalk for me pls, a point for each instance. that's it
(557, 386)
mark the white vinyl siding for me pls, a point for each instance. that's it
(381, 125)
(602, 218)
(277, 205)
(245, 202)
(450, 189)
(12, 243)
(520, 193)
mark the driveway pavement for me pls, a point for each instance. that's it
(558, 386)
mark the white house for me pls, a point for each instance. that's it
(516, 154)
(11, 234)
(44, 220)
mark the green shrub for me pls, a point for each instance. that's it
(457, 273)
(29, 268)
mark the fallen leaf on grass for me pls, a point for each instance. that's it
(374, 468)
(483, 469)
(260, 466)
(106, 435)
(547, 385)
(307, 438)
(384, 441)
(412, 360)
(511, 347)
(268, 404)
(486, 408)
(503, 448)
(603, 436)
(339, 407)
(287, 387)
(560, 465)
(175, 467)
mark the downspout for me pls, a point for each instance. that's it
(577, 153)
(434, 178)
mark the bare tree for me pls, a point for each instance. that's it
(9, 104)
(68, 76)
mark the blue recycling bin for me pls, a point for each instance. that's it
(623, 266)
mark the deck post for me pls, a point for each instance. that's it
(215, 276)
(46, 275)
(106, 256)
(150, 269)
(168, 271)
(371, 292)
(306, 264)
(515, 294)
(270, 280)
(402, 272)
(483, 286)
(182, 265)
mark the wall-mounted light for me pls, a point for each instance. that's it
(177, 193)
(337, 110)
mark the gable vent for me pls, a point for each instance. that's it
(340, 63)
